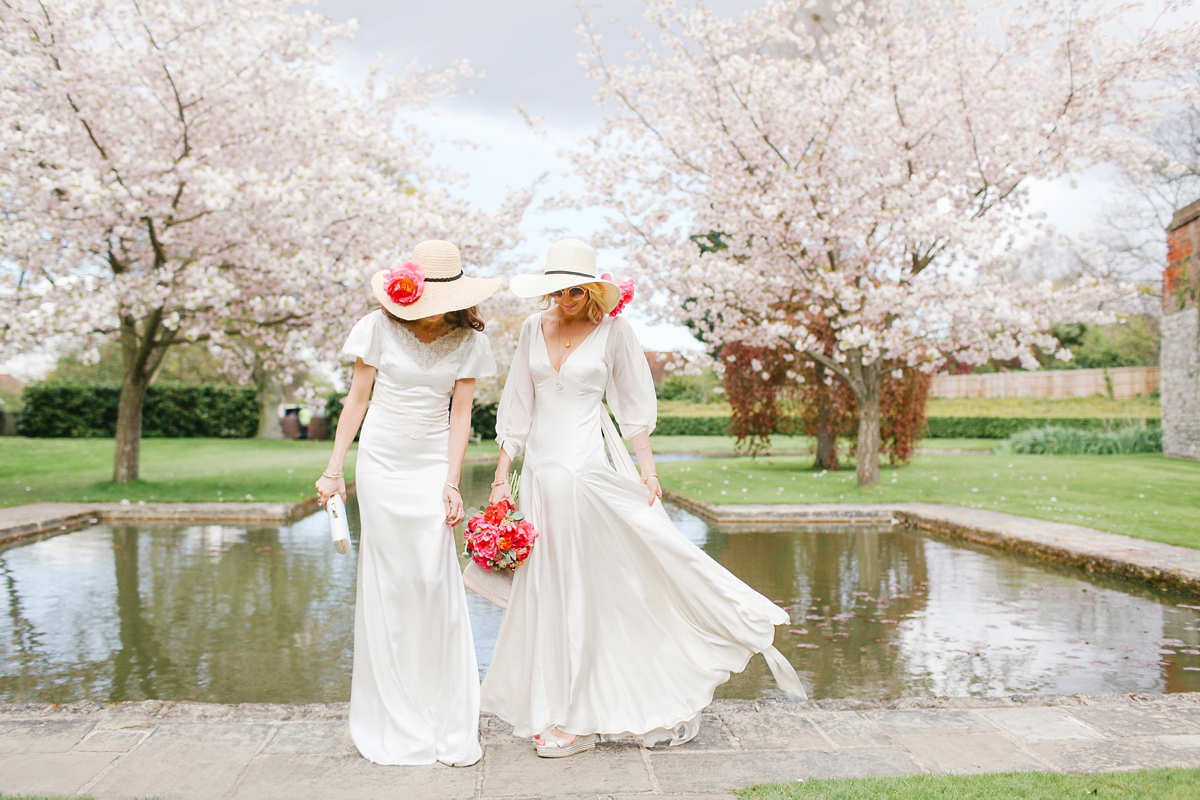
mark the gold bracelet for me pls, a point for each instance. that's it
(503, 482)
(334, 476)
(453, 486)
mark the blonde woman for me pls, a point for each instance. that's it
(616, 624)
(414, 693)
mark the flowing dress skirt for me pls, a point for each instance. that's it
(616, 624)
(414, 698)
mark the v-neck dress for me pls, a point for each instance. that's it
(616, 624)
(414, 694)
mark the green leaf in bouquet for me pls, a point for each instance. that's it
(516, 516)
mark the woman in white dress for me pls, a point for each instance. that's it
(414, 695)
(616, 624)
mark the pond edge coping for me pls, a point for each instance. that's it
(131, 710)
(1155, 563)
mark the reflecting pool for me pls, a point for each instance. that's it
(232, 614)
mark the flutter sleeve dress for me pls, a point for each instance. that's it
(414, 695)
(616, 624)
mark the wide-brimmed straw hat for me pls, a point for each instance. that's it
(431, 283)
(569, 262)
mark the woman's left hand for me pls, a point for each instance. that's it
(652, 485)
(454, 505)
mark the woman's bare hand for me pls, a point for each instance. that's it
(454, 505)
(653, 487)
(501, 492)
(328, 487)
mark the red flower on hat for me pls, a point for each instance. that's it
(626, 288)
(404, 284)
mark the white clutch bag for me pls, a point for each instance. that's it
(339, 526)
(493, 585)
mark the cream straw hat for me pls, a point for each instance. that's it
(569, 262)
(437, 268)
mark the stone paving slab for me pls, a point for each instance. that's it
(253, 751)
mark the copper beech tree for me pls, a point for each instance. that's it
(177, 172)
(867, 180)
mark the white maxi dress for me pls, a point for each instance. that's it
(414, 694)
(616, 624)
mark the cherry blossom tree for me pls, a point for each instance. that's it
(869, 177)
(178, 172)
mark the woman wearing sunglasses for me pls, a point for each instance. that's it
(617, 624)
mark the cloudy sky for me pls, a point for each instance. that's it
(529, 52)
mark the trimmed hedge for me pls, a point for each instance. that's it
(1004, 427)
(692, 426)
(89, 410)
(935, 427)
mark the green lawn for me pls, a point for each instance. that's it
(172, 470)
(198, 470)
(1161, 784)
(1147, 496)
(1144, 407)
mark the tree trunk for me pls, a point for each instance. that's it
(867, 393)
(129, 426)
(142, 351)
(827, 457)
(270, 395)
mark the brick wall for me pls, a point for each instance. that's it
(1179, 371)
(1181, 278)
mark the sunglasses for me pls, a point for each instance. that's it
(575, 293)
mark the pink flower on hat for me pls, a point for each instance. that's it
(404, 284)
(626, 287)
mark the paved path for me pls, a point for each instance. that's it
(175, 751)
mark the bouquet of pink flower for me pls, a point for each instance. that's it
(499, 537)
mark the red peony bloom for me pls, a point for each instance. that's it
(404, 284)
(626, 287)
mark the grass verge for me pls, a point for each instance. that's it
(172, 470)
(204, 470)
(1163, 784)
(1146, 496)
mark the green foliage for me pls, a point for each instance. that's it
(1061, 440)
(89, 410)
(187, 364)
(1132, 342)
(690, 388)
(483, 416)
(692, 426)
(483, 419)
(1004, 427)
(333, 409)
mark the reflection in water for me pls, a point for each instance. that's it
(228, 614)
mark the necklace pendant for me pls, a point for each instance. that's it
(568, 344)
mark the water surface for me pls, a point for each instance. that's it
(233, 614)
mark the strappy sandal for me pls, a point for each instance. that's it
(556, 746)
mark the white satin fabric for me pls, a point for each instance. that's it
(616, 624)
(414, 695)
